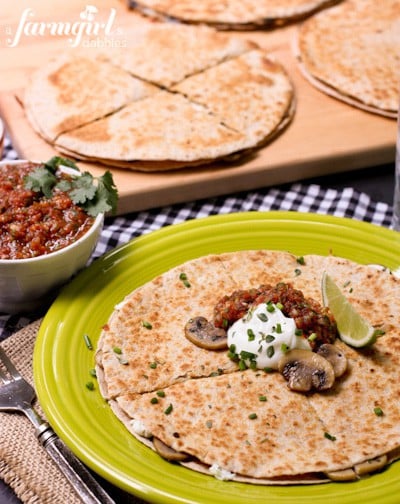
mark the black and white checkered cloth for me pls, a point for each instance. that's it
(298, 197)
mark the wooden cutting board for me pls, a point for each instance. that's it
(325, 137)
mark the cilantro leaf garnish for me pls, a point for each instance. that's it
(94, 194)
(41, 180)
(83, 190)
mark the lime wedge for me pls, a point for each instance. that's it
(353, 329)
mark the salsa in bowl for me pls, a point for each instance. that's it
(51, 216)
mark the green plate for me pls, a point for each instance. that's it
(84, 421)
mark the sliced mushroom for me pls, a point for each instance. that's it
(370, 466)
(167, 452)
(335, 356)
(343, 475)
(305, 370)
(204, 334)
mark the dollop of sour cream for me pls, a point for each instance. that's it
(263, 336)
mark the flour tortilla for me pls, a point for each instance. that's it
(133, 113)
(232, 14)
(212, 399)
(351, 52)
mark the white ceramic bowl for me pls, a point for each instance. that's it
(27, 284)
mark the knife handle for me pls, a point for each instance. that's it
(84, 484)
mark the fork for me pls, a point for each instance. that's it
(16, 394)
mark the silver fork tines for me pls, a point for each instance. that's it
(16, 394)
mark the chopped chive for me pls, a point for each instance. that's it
(183, 278)
(329, 436)
(268, 370)
(279, 306)
(250, 335)
(284, 348)
(263, 317)
(88, 343)
(262, 398)
(92, 372)
(117, 350)
(270, 351)
(301, 260)
(378, 411)
(298, 332)
(169, 409)
(269, 338)
(160, 393)
(297, 271)
(90, 385)
(253, 416)
(312, 337)
(279, 328)
(247, 355)
(154, 400)
(153, 365)
(242, 365)
(146, 324)
(270, 307)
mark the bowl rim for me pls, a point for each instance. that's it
(97, 223)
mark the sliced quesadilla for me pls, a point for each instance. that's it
(245, 423)
(177, 96)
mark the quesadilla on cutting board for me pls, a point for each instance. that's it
(177, 96)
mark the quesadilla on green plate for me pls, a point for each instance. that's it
(213, 411)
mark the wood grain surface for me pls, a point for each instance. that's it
(325, 137)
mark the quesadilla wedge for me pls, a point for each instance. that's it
(242, 423)
(56, 102)
(351, 52)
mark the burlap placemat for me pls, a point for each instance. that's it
(24, 463)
